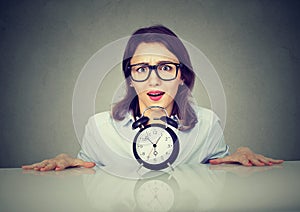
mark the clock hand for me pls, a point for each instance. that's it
(156, 199)
(158, 139)
(150, 153)
(149, 140)
(154, 146)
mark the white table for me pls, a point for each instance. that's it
(189, 188)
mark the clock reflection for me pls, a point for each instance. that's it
(156, 194)
(188, 187)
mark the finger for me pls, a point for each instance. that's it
(243, 160)
(61, 165)
(79, 162)
(45, 165)
(271, 161)
(264, 160)
(276, 161)
(89, 164)
(227, 159)
(216, 161)
(48, 167)
(256, 162)
(31, 166)
(38, 166)
(26, 167)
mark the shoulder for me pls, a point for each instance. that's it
(102, 118)
(106, 115)
(205, 114)
(105, 120)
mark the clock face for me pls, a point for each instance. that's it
(156, 146)
(155, 195)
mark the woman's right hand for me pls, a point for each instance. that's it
(59, 163)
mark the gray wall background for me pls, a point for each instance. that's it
(254, 46)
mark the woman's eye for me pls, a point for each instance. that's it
(141, 69)
(166, 68)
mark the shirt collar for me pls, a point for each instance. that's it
(128, 120)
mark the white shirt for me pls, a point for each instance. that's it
(108, 142)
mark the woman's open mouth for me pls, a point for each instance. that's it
(155, 95)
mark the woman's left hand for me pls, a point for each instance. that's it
(246, 157)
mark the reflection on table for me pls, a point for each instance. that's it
(186, 187)
(198, 187)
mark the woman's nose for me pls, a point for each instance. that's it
(154, 80)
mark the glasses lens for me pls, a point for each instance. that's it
(139, 72)
(167, 71)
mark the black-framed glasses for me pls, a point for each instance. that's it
(166, 71)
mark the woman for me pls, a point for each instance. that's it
(158, 72)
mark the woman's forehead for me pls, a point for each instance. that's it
(152, 52)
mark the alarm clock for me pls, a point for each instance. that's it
(155, 146)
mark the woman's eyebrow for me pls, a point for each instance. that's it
(141, 63)
(159, 62)
(166, 61)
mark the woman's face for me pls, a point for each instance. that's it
(155, 91)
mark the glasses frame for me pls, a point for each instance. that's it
(154, 67)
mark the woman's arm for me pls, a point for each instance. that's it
(59, 163)
(246, 157)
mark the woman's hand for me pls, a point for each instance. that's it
(246, 157)
(59, 163)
